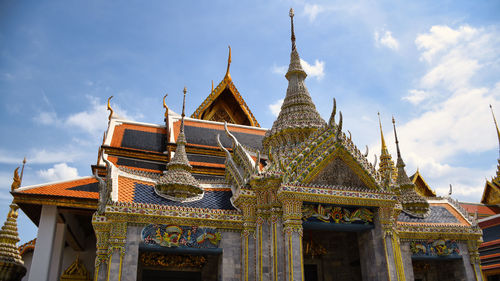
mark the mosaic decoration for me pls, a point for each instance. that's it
(336, 214)
(173, 236)
(434, 248)
(177, 261)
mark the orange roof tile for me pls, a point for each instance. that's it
(481, 209)
(63, 189)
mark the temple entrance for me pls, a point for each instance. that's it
(331, 255)
(438, 270)
(155, 266)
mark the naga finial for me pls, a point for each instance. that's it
(16, 180)
(110, 109)
(291, 14)
(331, 122)
(228, 75)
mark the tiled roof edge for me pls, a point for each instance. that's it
(50, 183)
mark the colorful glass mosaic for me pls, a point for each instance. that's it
(336, 214)
(174, 236)
(434, 248)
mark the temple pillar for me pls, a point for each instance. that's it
(375, 259)
(101, 229)
(116, 250)
(263, 272)
(276, 245)
(385, 228)
(230, 264)
(248, 238)
(292, 229)
(471, 261)
(130, 262)
(40, 265)
(57, 251)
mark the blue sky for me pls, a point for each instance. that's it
(432, 64)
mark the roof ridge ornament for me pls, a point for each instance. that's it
(228, 75)
(110, 109)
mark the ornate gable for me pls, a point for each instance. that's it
(225, 104)
(421, 187)
(491, 193)
(328, 157)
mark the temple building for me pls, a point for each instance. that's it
(214, 196)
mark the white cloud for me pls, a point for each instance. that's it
(316, 70)
(442, 37)
(58, 172)
(313, 10)
(449, 127)
(42, 156)
(279, 69)
(94, 120)
(385, 38)
(416, 96)
(276, 107)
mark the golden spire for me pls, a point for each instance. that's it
(110, 109)
(496, 125)
(387, 169)
(16, 180)
(9, 238)
(384, 147)
(228, 76)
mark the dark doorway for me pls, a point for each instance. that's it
(154, 275)
(311, 272)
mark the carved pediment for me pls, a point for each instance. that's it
(337, 172)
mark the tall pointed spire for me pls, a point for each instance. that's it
(497, 178)
(298, 117)
(413, 204)
(386, 167)
(12, 266)
(177, 183)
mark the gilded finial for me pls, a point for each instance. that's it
(228, 65)
(384, 146)
(212, 86)
(9, 253)
(293, 32)
(165, 106)
(110, 109)
(496, 125)
(16, 180)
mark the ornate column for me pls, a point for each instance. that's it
(392, 246)
(292, 228)
(101, 229)
(474, 258)
(276, 244)
(248, 269)
(116, 250)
